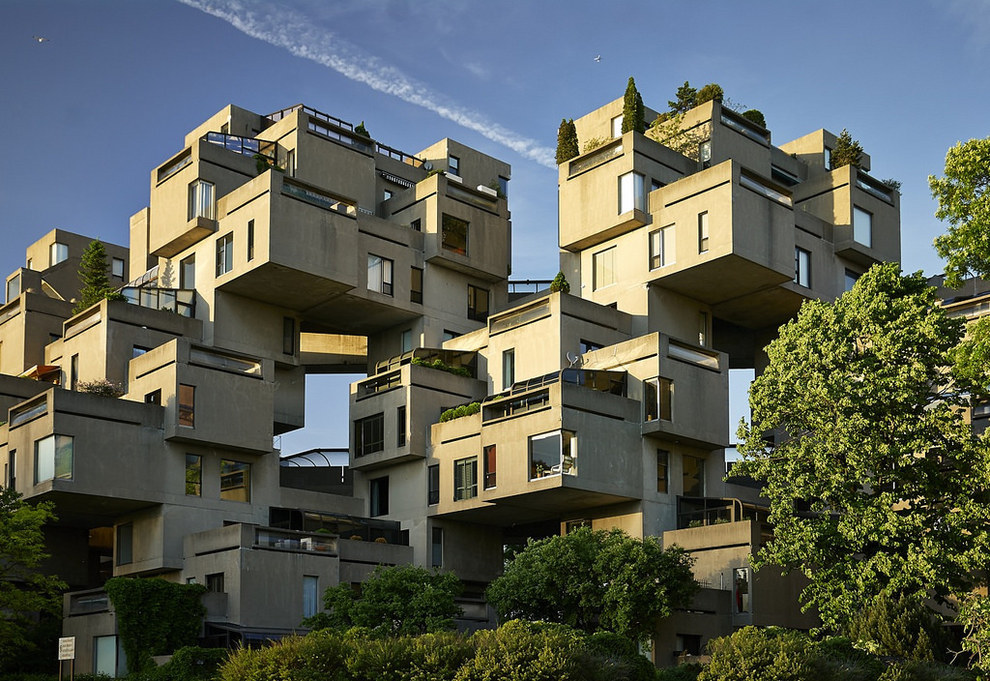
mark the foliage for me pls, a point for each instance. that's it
(632, 109)
(399, 600)
(620, 657)
(686, 97)
(101, 387)
(755, 116)
(526, 651)
(93, 276)
(154, 617)
(752, 654)
(361, 130)
(593, 143)
(667, 130)
(458, 412)
(187, 664)
(559, 283)
(595, 581)
(963, 196)
(683, 672)
(708, 93)
(440, 365)
(23, 591)
(902, 627)
(869, 451)
(974, 616)
(847, 151)
(263, 164)
(567, 141)
(892, 183)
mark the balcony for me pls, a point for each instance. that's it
(245, 146)
(180, 301)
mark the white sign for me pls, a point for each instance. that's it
(67, 648)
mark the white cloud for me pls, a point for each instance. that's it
(296, 33)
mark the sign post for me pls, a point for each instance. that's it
(67, 651)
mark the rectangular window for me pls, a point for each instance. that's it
(379, 274)
(703, 232)
(200, 200)
(465, 478)
(235, 480)
(862, 227)
(416, 224)
(369, 435)
(617, 126)
(503, 187)
(13, 288)
(290, 162)
(802, 267)
(740, 587)
(214, 583)
(663, 471)
(125, 544)
(693, 476)
(589, 346)
(12, 470)
(603, 267)
(705, 154)
(703, 328)
(416, 285)
(57, 253)
(632, 193)
(490, 467)
(436, 547)
(477, 303)
(662, 247)
(187, 405)
(187, 272)
(225, 254)
(73, 372)
(379, 496)
(850, 279)
(194, 475)
(310, 595)
(400, 426)
(433, 485)
(117, 267)
(405, 341)
(657, 397)
(508, 368)
(454, 234)
(154, 397)
(454, 165)
(250, 240)
(552, 454)
(105, 655)
(288, 336)
(53, 458)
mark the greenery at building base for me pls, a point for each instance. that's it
(567, 141)
(899, 627)
(595, 580)
(633, 111)
(560, 284)
(93, 275)
(154, 617)
(24, 592)
(847, 152)
(870, 451)
(458, 412)
(441, 366)
(963, 196)
(190, 663)
(403, 600)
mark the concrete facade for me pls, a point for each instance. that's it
(289, 244)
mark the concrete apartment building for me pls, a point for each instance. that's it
(291, 244)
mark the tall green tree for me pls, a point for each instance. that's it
(877, 485)
(632, 109)
(567, 141)
(595, 581)
(395, 601)
(24, 592)
(963, 196)
(847, 152)
(685, 99)
(93, 270)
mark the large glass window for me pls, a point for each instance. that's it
(693, 476)
(552, 454)
(187, 272)
(617, 126)
(379, 274)
(465, 478)
(632, 193)
(57, 253)
(862, 226)
(379, 496)
(105, 655)
(491, 462)
(604, 268)
(125, 544)
(662, 247)
(477, 303)
(703, 232)
(235, 480)
(194, 475)
(225, 254)
(250, 240)
(454, 234)
(310, 595)
(657, 397)
(13, 287)
(369, 435)
(187, 405)
(201, 200)
(802, 267)
(53, 458)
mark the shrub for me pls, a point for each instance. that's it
(901, 627)
(458, 412)
(187, 664)
(752, 654)
(593, 143)
(755, 116)
(682, 672)
(441, 365)
(361, 130)
(559, 283)
(618, 658)
(101, 387)
(528, 651)
(708, 93)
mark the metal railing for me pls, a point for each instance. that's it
(245, 146)
(181, 301)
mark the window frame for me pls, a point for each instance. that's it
(663, 466)
(508, 368)
(489, 455)
(369, 435)
(703, 235)
(231, 469)
(477, 295)
(454, 165)
(60, 456)
(202, 200)
(802, 267)
(566, 441)
(186, 405)
(378, 496)
(865, 239)
(658, 399)
(433, 484)
(57, 253)
(602, 264)
(662, 244)
(465, 478)
(382, 281)
(632, 192)
(194, 462)
(225, 253)
(454, 226)
(416, 285)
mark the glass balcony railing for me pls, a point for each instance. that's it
(294, 541)
(245, 146)
(181, 301)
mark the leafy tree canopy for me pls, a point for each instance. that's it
(847, 151)
(708, 93)
(595, 581)
(93, 276)
(686, 97)
(400, 600)
(963, 196)
(23, 591)
(877, 486)
(755, 116)
(567, 141)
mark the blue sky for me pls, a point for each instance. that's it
(112, 92)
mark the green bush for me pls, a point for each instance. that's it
(925, 671)
(752, 654)
(528, 651)
(682, 672)
(899, 627)
(559, 283)
(708, 93)
(441, 365)
(618, 658)
(755, 116)
(458, 412)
